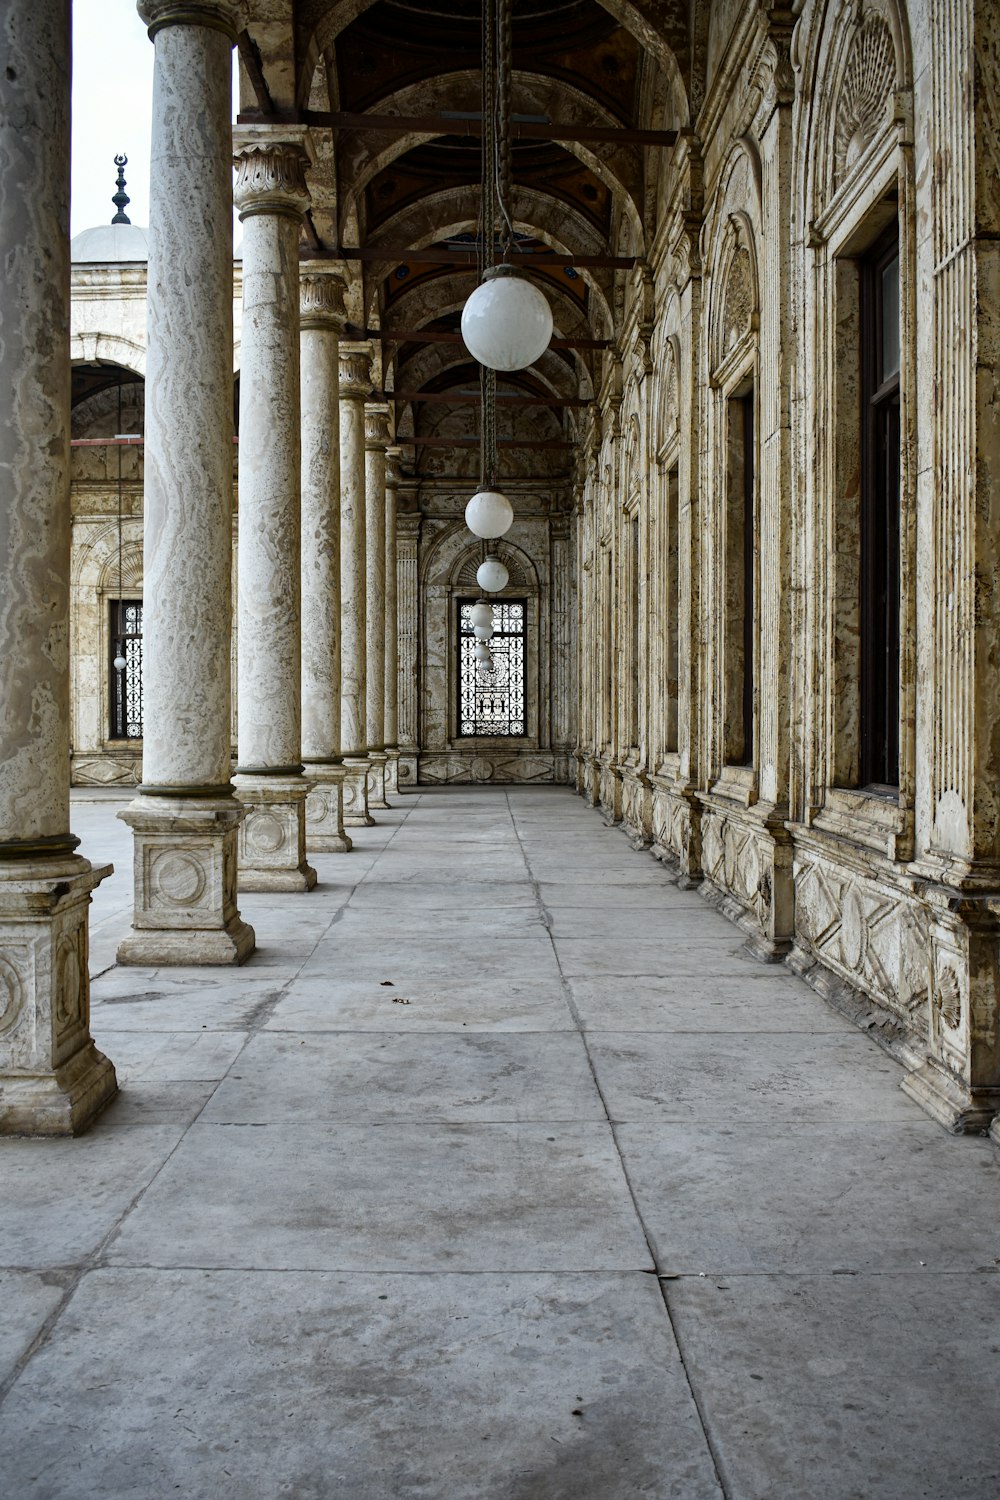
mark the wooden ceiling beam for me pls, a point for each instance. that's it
(468, 260)
(463, 398)
(443, 336)
(473, 442)
(465, 123)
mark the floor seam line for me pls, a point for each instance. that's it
(714, 1456)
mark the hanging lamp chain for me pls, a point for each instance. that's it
(503, 123)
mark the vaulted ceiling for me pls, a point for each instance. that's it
(400, 198)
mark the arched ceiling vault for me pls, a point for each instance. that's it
(621, 65)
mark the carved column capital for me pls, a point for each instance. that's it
(355, 375)
(217, 15)
(321, 298)
(270, 172)
(377, 434)
(393, 476)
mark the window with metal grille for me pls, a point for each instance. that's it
(491, 695)
(125, 639)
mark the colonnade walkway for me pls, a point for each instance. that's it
(499, 1173)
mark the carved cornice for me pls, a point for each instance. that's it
(217, 15)
(377, 434)
(321, 300)
(271, 179)
(355, 375)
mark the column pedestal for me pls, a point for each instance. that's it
(55, 1082)
(325, 830)
(356, 814)
(392, 771)
(273, 833)
(377, 787)
(185, 883)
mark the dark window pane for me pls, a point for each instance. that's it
(889, 362)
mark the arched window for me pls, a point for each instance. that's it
(492, 694)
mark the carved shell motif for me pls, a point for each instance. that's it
(738, 309)
(948, 998)
(671, 394)
(869, 80)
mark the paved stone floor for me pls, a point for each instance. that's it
(499, 1173)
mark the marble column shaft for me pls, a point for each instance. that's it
(52, 1078)
(391, 624)
(185, 818)
(322, 320)
(376, 442)
(271, 196)
(355, 388)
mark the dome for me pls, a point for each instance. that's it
(107, 242)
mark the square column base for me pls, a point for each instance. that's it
(325, 831)
(378, 760)
(53, 1080)
(273, 834)
(392, 771)
(185, 908)
(356, 814)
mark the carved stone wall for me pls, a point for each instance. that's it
(815, 133)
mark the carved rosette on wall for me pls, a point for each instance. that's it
(868, 84)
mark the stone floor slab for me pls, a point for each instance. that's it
(389, 1198)
(317, 1386)
(766, 1000)
(806, 1198)
(847, 1387)
(61, 1198)
(164, 1056)
(320, 1003)
(28, 1299)
(363, 1078)
(749, 1077)
(695, 958)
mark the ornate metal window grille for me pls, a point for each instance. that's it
(491, 698)
(126, 687)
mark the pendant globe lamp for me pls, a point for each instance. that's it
(506, 323)
(489, 514)
(481, 614)
(492, 576)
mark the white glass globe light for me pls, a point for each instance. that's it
(506, 323)
(120, 663)
(481, 614)
(489, 514)
(483, 632)
(492, 576)
(483, 652)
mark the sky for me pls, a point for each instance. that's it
(112, 102)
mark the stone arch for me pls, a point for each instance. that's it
(852, 65)
(108, 349)
(523, 573)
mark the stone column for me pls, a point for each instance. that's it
(407, 553)
(376, 443)
(271, 196)
(322, 321)
(53, 1081)
(391, 625)
(355, 388)
(185, 817)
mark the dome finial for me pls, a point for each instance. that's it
(121, 197)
